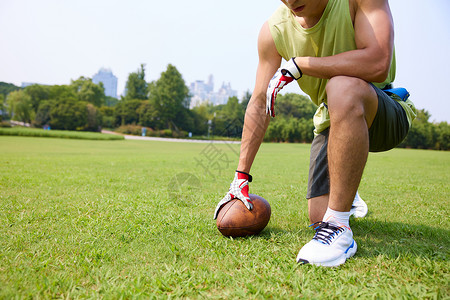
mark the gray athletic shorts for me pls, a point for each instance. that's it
(389, 128)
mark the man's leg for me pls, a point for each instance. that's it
(352, 104)
(317, 207)
(318, 180)
(319, 183)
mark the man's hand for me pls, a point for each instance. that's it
(239, 190)
(286, 74)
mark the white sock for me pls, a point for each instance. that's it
(339, 218)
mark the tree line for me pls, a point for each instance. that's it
(162, 108)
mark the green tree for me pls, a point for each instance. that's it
(65, 111)
(93, 118)
(201, 115)
(274, 132)
(89, 92)
(127, 112)
(294, 119)
(421, 134)
(149, 115)
(233, 110)
(61, 92)
(111, 101)
(20, 106)
(169, 95)
(107, 115)
(294, 105)
(306, 128)
(43, 113)
(185, 120)
(37, 94)
(6, 88)
(136, 86)
(2, 107)
(246, 99)
(229, 120)
(69, 114)
(443, 136)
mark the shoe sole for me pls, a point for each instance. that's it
(337, 262)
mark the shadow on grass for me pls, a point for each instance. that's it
(395, 239)
(391, 239)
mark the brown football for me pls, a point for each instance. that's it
(234, 219)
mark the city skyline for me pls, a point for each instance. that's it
(200, 92)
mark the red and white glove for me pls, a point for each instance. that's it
(238, 190)
(286, 74)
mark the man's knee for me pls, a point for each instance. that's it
(350, 97)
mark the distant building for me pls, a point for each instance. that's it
(222, 95)
(25, 84)
(109, 81)
(201, 89)
(202, 92)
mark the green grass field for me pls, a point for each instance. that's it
(62, 134)
(126, 219)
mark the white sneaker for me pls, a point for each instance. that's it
(359, 207)
(330, 246)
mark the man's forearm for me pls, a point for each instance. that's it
(354, 63)
(255, 125)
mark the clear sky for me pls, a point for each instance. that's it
(54, 41)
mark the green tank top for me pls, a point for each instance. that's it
(333, 34)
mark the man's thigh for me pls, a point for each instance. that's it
(390, 125)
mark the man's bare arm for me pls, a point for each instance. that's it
(374, 35)
(256, 120)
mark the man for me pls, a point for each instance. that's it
(340, 52)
